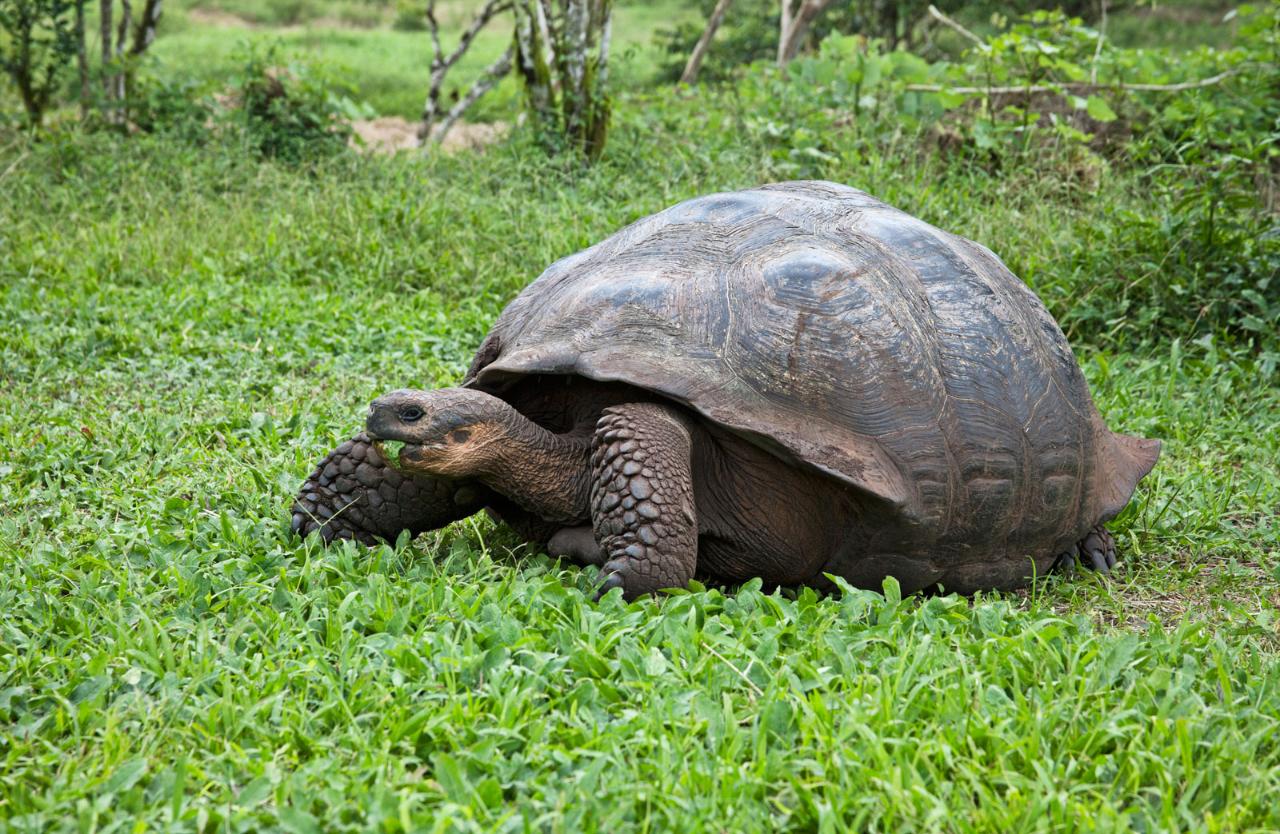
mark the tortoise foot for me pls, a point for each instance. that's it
(331, 501)
(1096, 551)
(354, 494)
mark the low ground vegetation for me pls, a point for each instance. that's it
(190, 315)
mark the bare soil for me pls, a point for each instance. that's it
(391, 134)
(219, 19)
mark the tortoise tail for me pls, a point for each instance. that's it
(1124, 460)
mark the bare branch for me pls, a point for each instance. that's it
(942, 18)
(491, 9)
(784, 30)
(431, 108)
(486, 82)
(122, 33)
(437, 51)
(441, 64)
(1102, 36)
(82, 59)
(690, 74)
(1079, 86)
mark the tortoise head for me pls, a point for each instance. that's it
(445, 432)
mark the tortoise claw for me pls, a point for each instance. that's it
(1096, 551)
(1066, 564)
(612, 580)
(1100, 548)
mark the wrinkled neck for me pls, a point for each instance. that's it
(544, 472)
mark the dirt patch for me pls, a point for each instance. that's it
(219, 19)
(335, 23)
(390, 134)
(473, 137)
(387, 134)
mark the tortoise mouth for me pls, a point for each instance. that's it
(405, 456)
(393, 452)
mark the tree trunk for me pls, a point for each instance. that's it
(690, 74)
(104, 24)
(563, 53)
(574, 98)
(797, 27)
(602, 55)
(21, 70)
(535, 60)
(144, 34)
(122, 38)
(82, 60)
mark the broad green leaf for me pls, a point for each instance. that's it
(125, 776)
(1099, 110)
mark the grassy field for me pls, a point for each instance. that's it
(185, 328)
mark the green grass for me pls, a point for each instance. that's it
(186, 327)
(1178, 25)
(183, 330)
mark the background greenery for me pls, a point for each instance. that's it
(192, 313)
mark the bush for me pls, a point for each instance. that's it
(167, 103)
(411, 16)
(291, 112)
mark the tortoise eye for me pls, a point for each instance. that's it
(412, 414)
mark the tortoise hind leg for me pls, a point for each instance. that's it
(578, 545)
(1096, 551)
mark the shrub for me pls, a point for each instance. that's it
(171, 104)
(290, 112)
(411, 16)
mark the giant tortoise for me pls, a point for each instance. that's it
(784, 382)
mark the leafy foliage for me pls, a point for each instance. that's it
(177, 106)
(750, 32)
(37, 39)
(290, 112)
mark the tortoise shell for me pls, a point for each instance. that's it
(846, 335)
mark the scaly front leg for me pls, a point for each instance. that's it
(642, 506)
(354, 494)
